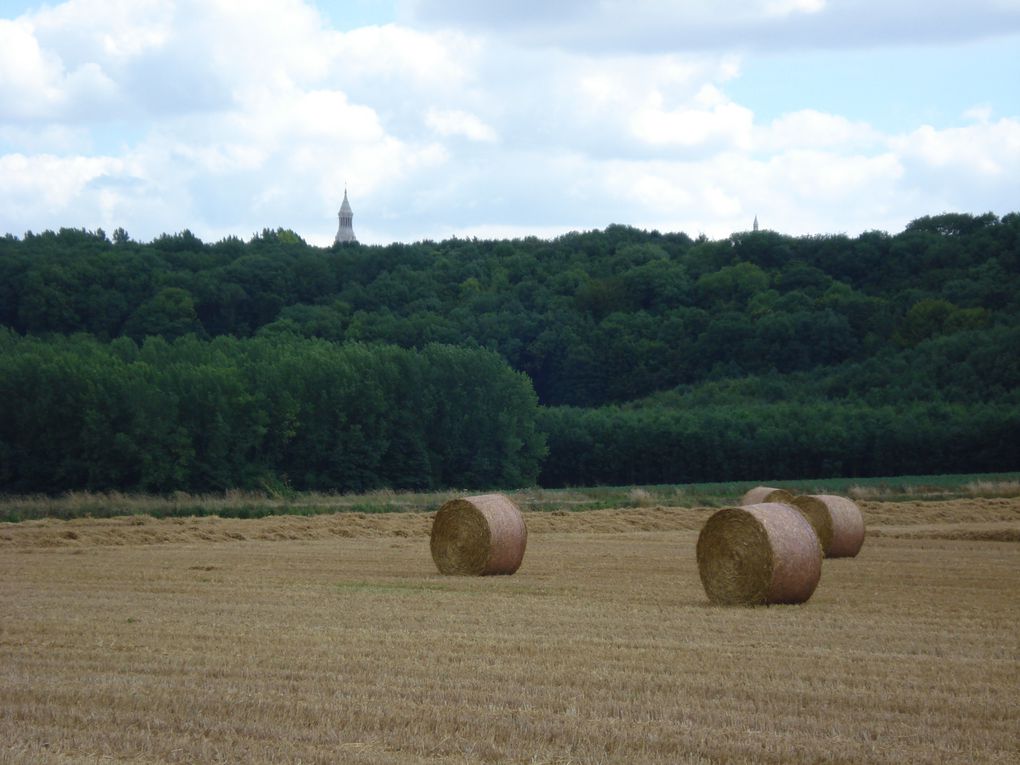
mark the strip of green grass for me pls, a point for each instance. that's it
(15, 509)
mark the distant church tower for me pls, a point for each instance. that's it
(755, 220)
(345, 233)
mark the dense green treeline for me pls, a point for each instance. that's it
(266, 413)
(950, 403)
(658, 357)
(650, 445)
(592, 318)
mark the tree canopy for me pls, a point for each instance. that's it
(755, 355)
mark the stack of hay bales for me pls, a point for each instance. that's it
(837, 521)
(770, 549)
(479, 536)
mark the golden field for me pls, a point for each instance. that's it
(332, 639)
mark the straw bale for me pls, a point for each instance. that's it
(838, 521)
(817, 513)
(759, 554)
(760, 494)
(479, 536)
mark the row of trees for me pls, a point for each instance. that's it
(950, 404)
(656, 444)
(260, 413)
(282, 411)
(592, 318)
(178, 364)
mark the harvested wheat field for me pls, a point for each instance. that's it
(334, 640)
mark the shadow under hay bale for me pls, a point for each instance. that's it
(759, 554)
(479, 536)
(837, 521)
(760, 494)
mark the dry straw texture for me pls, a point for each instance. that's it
(479, 536)
(167, 653)
(759, 554)
(760, 494)
(817, 513)
(837, 521)
(997, 518)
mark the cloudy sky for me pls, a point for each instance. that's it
(505, 118)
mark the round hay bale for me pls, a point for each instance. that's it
(837, 521)
(760, 494)
(817, 514)
(759, 554)
(479, 536)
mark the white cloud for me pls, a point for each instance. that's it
(606, 106)
(49, 182)
(980, 113)
(798, 192)
(454, 122)
(811, 129)
(817, 177)
(56, 139)
(275, 116)
(239, 113)
(30, 80)
(126, 28)
(989, 150)
(437, 60)
(665, 25)
(226, 117)
(710, 120)
(786, 7)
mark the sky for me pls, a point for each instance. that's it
(506, 118)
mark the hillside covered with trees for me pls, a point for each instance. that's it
(615, 356)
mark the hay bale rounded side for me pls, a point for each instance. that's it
(759, 554)
(844, 520)
(760, 494)
(478, 536)
(817, 513)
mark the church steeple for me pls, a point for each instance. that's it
(346, 231)
(755, 221)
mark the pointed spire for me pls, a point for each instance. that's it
(345, 233)
(755, 222)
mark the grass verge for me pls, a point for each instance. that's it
(244, 504)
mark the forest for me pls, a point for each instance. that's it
(617, 356)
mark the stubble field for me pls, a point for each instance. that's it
(332, 639)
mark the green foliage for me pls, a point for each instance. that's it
(930, 317)
(274, 411)
(577, 314)
(170, 314)
(659, 444)
(212, 365)
(732, 285)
